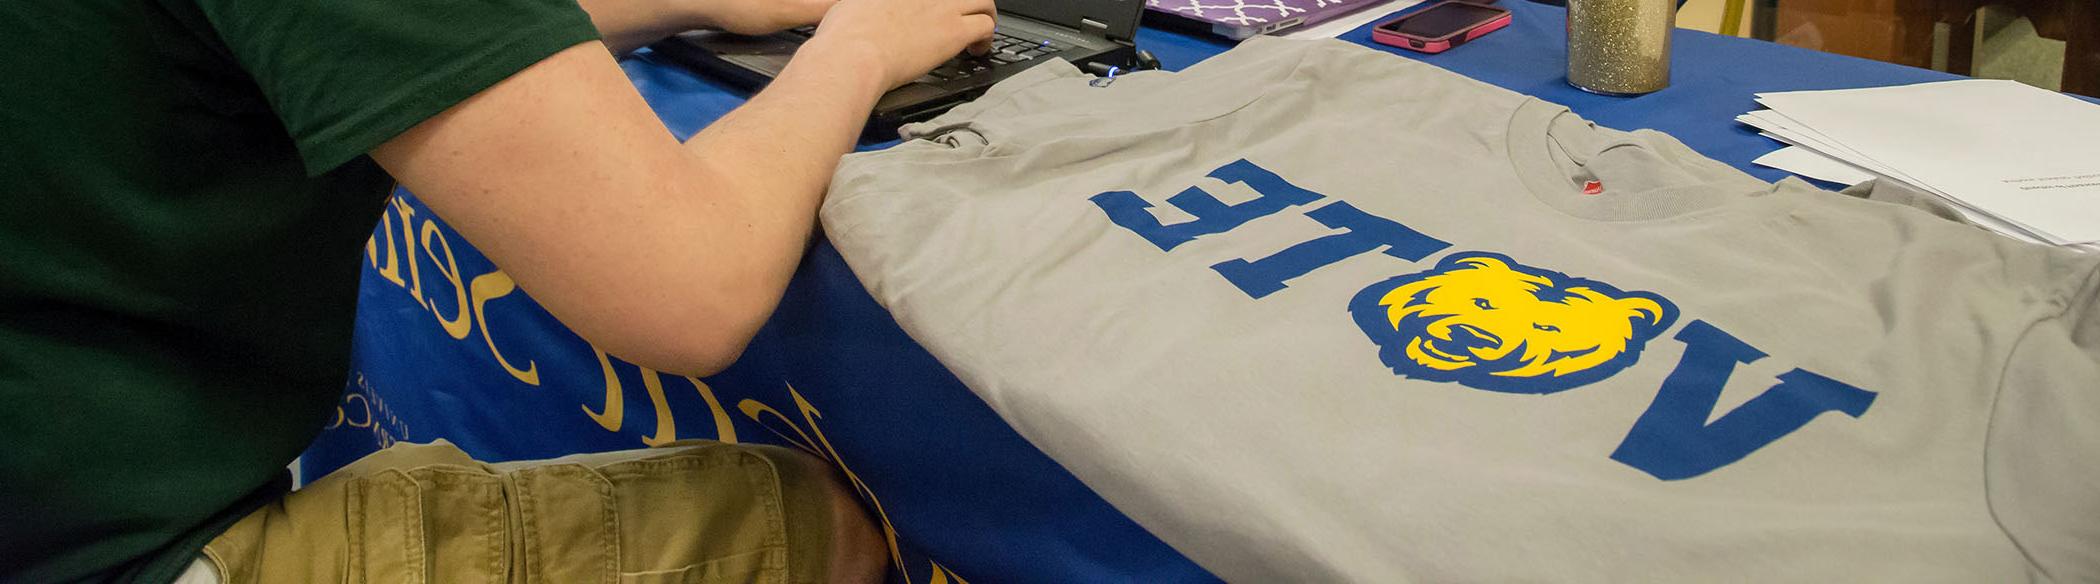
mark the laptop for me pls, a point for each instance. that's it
(1239, 19)
(1100, 33)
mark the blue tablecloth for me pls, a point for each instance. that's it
(447, 348)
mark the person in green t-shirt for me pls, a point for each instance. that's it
(187, 188)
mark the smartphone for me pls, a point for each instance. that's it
(1441, 26)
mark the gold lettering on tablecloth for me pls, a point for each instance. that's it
(470, 295)
(458, 325)
(363, 409)
(391, 270)
(613, 416)
(408, 220)
(491, 286)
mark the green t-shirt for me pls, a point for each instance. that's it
(184, 198)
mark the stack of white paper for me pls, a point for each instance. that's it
(2012, 158)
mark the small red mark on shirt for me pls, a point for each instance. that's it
(1593, 188)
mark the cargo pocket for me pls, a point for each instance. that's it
(428, 525)
(386, 529)
(703, 514)
(568, 529)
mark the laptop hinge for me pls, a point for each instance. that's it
(1093, 27)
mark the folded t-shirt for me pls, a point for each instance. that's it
(1312, 312)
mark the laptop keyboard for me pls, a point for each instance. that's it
(1006, 48)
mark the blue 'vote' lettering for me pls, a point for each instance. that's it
(1672, 439)
(1361, 233)
(1128, 211)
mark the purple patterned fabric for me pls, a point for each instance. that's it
(1250, 12)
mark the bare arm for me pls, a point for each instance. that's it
(667, 255)
(627, 25)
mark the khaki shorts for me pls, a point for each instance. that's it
(417, 513)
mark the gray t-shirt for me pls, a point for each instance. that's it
(1311, 312)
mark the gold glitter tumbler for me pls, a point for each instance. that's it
(1620, 47)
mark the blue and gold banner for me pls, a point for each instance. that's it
(448, 347)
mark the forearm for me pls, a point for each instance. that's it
(770, 161)
(711, 233)
(626, 25)
(669, 255)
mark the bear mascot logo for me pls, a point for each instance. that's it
(1487, 322)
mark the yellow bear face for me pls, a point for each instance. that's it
(1484, 321)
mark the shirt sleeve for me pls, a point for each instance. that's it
(2042, 462)
(346, 75)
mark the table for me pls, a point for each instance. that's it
(448, 348)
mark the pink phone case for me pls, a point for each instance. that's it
(1382, 36)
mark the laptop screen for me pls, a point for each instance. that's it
(1121, 16)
